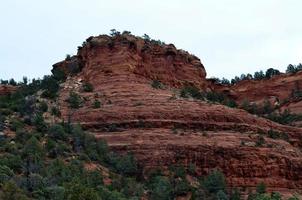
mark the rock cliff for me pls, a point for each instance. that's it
(160, 128)
(278, 88)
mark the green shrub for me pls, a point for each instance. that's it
(5, 174)
(160, 189)
(221, 195)
(68, 57)
(57, 132)
(277, 135)
(10, 191)
(16, 124)
(267, 107)
(12, 161)
(76, 190)
(111, 195)
(191, 91)
(260, 141)
(50, 86)
(276, 196)
(192, 169)
(43, 107)
(33, 155)
(261, 188)
(214, 182)
(179, 171)
(157, 84)
(35, 182)
(54, 192)
(87, 87)
(96, 104)
(22, 135)
(235, 194)
(58, 74)
(40, 123)
(74, 100)
(271, 72)
(12, 82)
(125, 164)
(181, 187)
(215, 97)
(291, 69)
(55, 111)
(231, 103)
(285, 117)
(112, 128)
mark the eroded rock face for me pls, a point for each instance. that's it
(7, 89)
(162, 129)
(283, 92)
(277, 163)
(128, 54)
(278, 88)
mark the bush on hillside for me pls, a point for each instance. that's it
(74, 100)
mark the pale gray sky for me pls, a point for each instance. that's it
(229, 36)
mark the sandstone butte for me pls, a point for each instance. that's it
(162, 129)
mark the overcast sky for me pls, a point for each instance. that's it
(229, 36)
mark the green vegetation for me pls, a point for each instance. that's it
(260, 141)
(114, 33)
(58, 74)
(12, 82)
(96, 104)
(55, 111)
(261, 188)
(285, 117)
(195, 93)
(47, 161)
(267, 110)
(68, 57)
(261, 194)
(191, 91)
(87, 87)
(161, 188)
(277, 135)
(74, 100)
(43, 107)
(215, 182)
(294, 68)
(53, 161)
(259, 75)
(50, 86)
(157, 84)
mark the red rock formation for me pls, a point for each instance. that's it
(7, 89)
(282, 91)
(131, 55)
(162, 129)
(277, 163)
(277, 88)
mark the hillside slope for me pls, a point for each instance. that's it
(160, 128)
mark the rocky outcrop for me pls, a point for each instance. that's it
(277, 163)
(283, 92)
(279, 88)
(128, 54)
(161, 128)
(7, 89)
